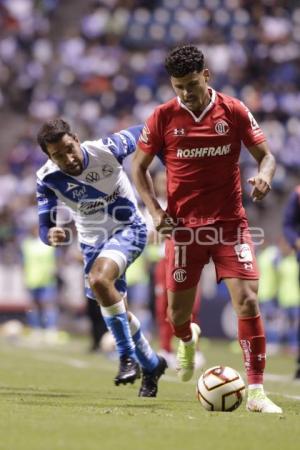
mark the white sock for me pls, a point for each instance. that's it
(255, 386)
(191, 341)
(114, 310)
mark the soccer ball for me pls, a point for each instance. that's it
(220, 388)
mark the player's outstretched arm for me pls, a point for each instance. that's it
(47, 202)
(143, 182)
(266, 168)
(49, 233)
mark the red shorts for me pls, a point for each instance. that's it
(229, 244)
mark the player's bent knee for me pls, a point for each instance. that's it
(248, 306)
(100, 283)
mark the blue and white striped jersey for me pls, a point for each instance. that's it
(101, 197)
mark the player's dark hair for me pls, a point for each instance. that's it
(183, 60)
(52, 131)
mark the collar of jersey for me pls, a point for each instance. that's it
(209, 106)
(85, 157)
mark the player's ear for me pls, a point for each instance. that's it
(76, 138)
(206, 75)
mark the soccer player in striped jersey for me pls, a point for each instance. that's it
(89, 178)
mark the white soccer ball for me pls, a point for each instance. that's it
(220, 388)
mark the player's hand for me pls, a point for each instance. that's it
(261, 187)
(56, 236)
(163, 223)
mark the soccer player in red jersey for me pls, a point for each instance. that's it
(199, 134)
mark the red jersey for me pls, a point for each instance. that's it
(201, 155)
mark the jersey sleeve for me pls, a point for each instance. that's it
(124, 142)
(47, 202)
(151, 139)
(291, 218)
(249, 130)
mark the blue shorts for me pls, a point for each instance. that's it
(123, 247)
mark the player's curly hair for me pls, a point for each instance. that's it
(52, 131)
(183, 60)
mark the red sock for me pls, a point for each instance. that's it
(253, 343)
(184, 331)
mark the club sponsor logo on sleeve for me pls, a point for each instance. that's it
(253, 123)
(144, 137)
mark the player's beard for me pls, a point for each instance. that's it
(75, 170)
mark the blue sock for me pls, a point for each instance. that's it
(147, 358)
(116, 320)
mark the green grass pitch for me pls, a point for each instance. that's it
(65, 399)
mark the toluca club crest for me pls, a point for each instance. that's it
(221, 127)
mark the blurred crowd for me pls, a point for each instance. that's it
(105, 70)
(100, 65)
